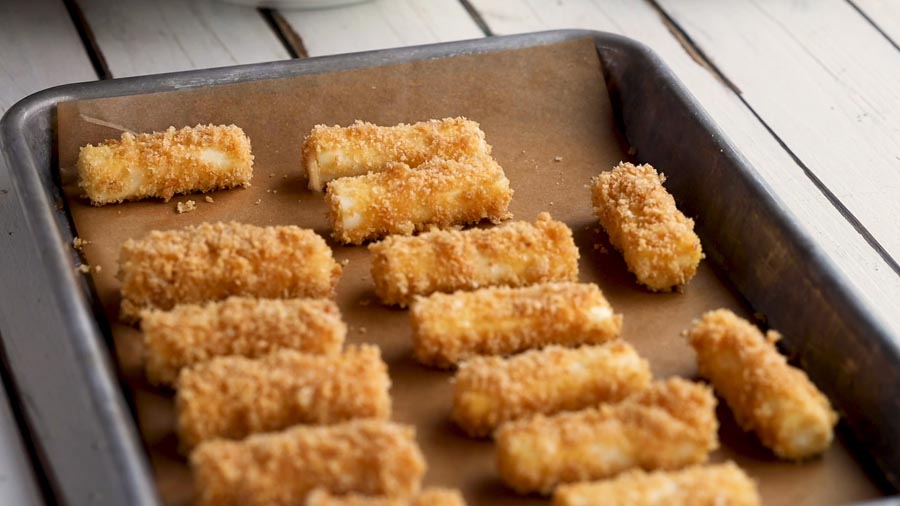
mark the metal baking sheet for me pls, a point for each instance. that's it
(78, 416)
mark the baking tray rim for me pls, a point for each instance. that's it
(45, 228)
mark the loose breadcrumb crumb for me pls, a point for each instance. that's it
(185, 207)
(84, 268)
(766, 394)
(78, 243)
(711, 485)
(279, 469)
(98, 268)
(208, 199)
(557, 159)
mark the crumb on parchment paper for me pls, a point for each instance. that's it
(185, 207)
(208, 199)
(84, 268)
(78, 243)
(557, 158)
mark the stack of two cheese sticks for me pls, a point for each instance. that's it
(380, 181)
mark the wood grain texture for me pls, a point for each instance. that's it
(826, 82)
(139, 37)
(884, 14)
(381, 24)
(39, 48)
(871, 277)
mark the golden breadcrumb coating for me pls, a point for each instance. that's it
(161, 164)
(449, 328)
(232, 397)
(403, 200)
(428, 497)
(656, 239)
(491, 390)
(368, 457)
(513, 254)
(331, 152)
(246, 326)
(711, 485)
(671, 424)
(213, 261)
(766, 394)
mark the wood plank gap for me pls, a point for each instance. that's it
(289, 37)
(826, 192)
(691, 48)
(875, 25)
(32, 449)
(87, 39)
(477, 17)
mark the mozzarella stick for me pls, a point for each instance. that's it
(640, 217)
(491, 390)
(712, 485)
(279, 469)
(766, 394)
(211, 262)
(246, 326)
(232, 397)
(449, 328)
(403, 200)
(671, 424)
(513, 254)
(161, 164)
(428, 497)
(333, 152)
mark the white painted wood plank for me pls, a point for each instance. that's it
(885, 14)
(139, 37)
(39, 48)
(381, 24)
(872, 278)
(826, 82)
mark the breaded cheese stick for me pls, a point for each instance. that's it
(671, 424)
(640, 217)
(279, 469)
(232, 397)
(711, 485)
(491, 390)
(403, 200)
(161, 164)
(513, 254)
(766, 394)
(428, 497)
(331, 152)
(214, 261)
(246, 326)
(449, 328)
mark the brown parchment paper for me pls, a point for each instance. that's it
(534, 105)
